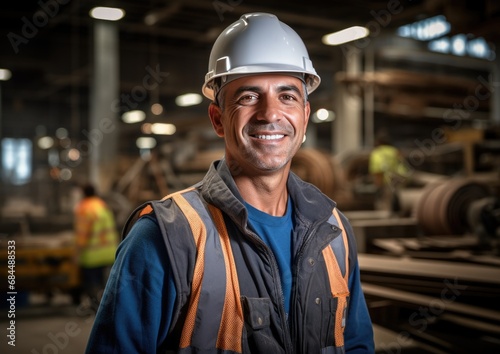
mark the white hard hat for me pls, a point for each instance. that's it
(258, 43)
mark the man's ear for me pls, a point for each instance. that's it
(215, 114)
(307, 113)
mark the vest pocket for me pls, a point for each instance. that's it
(258, 336)
(256, 312)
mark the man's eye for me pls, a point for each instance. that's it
(247, 99)
(288, 97)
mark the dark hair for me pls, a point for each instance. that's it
(88, 190)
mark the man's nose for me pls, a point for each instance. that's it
(269, 109)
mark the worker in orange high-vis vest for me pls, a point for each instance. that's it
(96, 242)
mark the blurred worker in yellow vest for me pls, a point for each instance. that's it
(96, 242)
(390, 173)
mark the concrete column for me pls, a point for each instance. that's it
(495, 88)
(369, 100)
(103, 121)
(2, 184)
(348, 103)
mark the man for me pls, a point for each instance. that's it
(96, 242)
(389, 171)
(251, 259)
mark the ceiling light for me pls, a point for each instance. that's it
(427, 29)
(156, 109)
(65, 174)
(146, 128)
(151, 19)
(135, 116)
(163, 128)
(323, 115)
(5, 74)
(61, 133)
(74, 154)
(188, 99)
(145, 142)
(458, 44)
(45, 142)
(107, 13)
(346, 35)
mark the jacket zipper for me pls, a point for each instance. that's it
(276, 274)
(293, 322)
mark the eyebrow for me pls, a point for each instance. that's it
(242, 89)
(294, 88)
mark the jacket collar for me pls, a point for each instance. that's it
(218, 188)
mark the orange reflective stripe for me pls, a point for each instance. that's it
(338, 283)
(147, 210)
(231, 327)
(178, 192)
(340, 320)
(199, 235)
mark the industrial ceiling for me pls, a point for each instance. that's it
(47, 45)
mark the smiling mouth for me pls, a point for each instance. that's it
(269, 137)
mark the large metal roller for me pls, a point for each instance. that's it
(317, 168)
(443, 206)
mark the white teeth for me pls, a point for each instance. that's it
(270, 137)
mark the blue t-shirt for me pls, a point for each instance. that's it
(276, 232)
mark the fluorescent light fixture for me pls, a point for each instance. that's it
(462, 45)
(163, 128)
(145, 142)
(346, 35)
(5, 74)
(188, 99)
(134, 116)
(458, 44)
(158, 128)
(480, 49)
(427, 29)
(441, 45)
(107, 13)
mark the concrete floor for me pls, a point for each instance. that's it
(48, 327)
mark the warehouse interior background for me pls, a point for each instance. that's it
(118, 103)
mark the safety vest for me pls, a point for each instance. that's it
(220, 312)
(387, 159)
(96, 233)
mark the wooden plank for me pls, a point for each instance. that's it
(424, 300)
(429, 268)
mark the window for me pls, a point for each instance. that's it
(16, 160)
(435, 28)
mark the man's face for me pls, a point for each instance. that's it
(263, 122)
